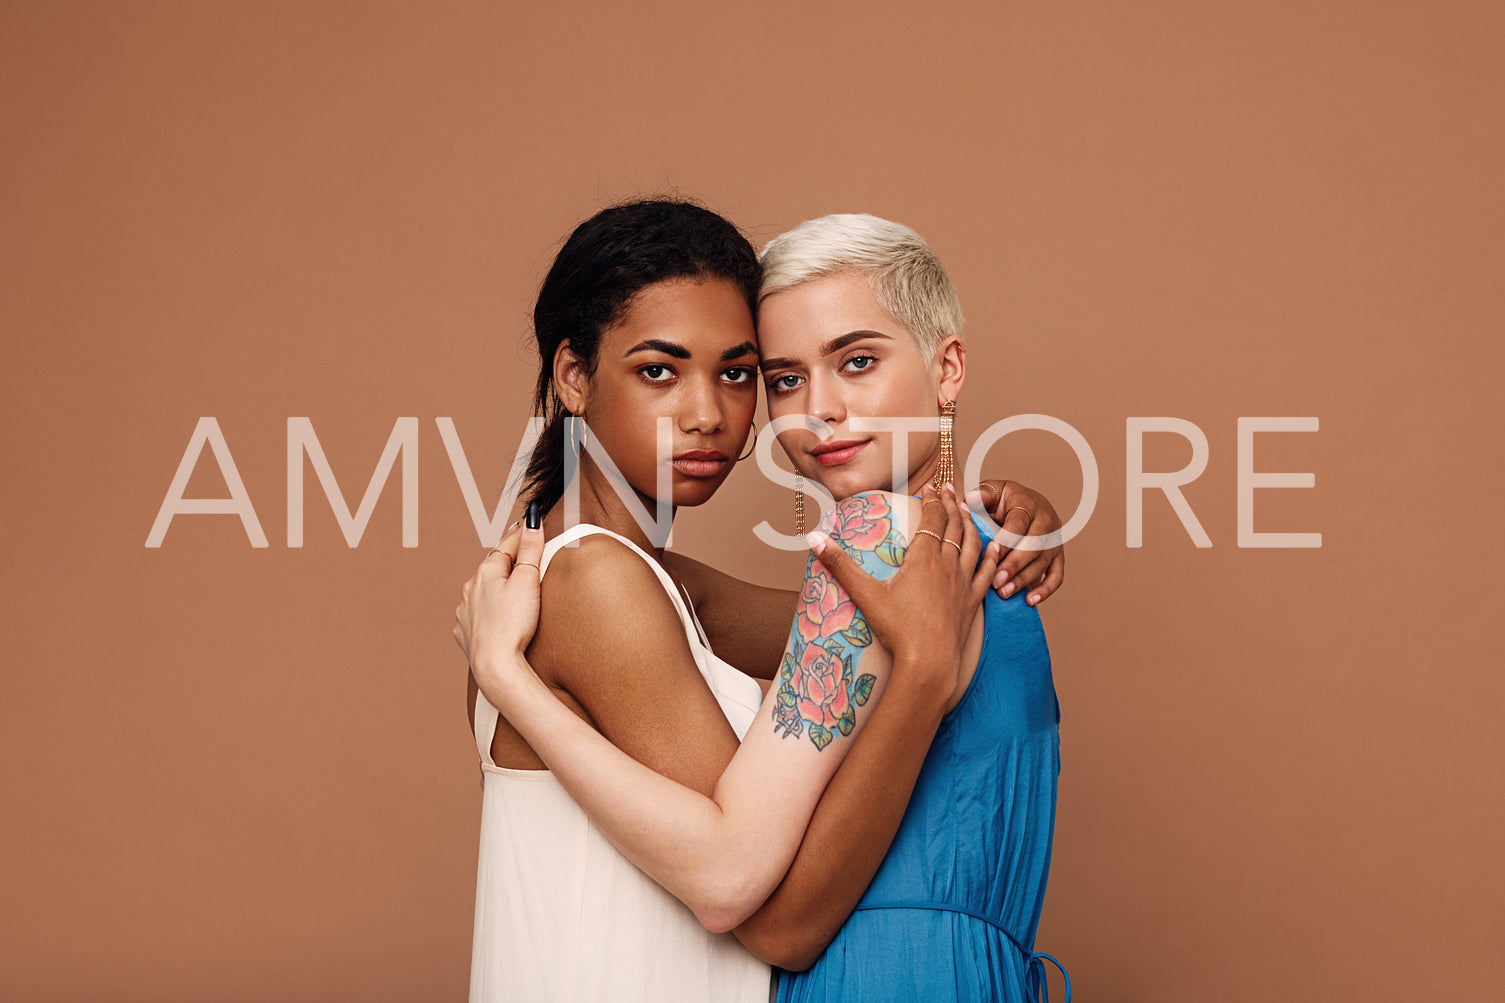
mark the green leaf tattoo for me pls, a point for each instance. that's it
(858, 635)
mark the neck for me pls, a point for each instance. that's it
(601, 505)
(922, 474)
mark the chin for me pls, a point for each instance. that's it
(688, 494)
(847, 483)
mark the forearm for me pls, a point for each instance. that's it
(851, 830)
(722, 855)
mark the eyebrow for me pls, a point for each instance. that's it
(834, 345)
(737, 351)
(657, 345)
(678, 351)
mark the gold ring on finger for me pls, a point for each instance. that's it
(1028, 515)
(954, 544)
(929, 532)
(527, 564)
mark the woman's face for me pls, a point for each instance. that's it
(831, 351)
(686, 349)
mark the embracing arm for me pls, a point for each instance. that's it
(850, 833)
(860, 811)
(723, 855)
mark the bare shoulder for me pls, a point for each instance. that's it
(601, 600)
(611, 640)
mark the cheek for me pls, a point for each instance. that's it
(744, 405)
(624, 422)
(777, 405)
(907, 393)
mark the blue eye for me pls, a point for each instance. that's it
(860, 363)
(784, 383)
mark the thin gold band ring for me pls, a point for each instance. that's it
(1018, 508)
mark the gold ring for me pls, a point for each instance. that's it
(1017, 508)
(954, 544)
(527, 564)
(930, 533)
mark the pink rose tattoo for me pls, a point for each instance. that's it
(821, 694)
(824, 611)
(863, 522)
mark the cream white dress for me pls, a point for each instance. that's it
(561, 915)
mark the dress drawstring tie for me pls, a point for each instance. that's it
(1034, 961)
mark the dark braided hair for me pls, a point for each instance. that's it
(606, 261)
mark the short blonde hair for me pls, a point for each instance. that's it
(906, 277)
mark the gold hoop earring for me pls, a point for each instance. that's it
(945, 470)
(752, 443)
(577, 442)
(799, 504)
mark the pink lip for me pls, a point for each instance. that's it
(834, 454)
(700, 463)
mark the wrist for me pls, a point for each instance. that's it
(503, 677)
(923, 679)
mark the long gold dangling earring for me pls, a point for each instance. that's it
(945, 470)
(799, 504)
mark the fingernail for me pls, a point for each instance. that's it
(999, 579)
(1008, 590)
(514, 525)
(535, 517)
(1033, 599)
(974, 499)
(816, 541)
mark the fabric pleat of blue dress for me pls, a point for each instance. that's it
(952, 911)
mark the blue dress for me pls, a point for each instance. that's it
(952, 911)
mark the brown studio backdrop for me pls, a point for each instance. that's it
(239, 774)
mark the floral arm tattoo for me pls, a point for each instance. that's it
(819, 690)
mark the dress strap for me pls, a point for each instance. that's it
(1034, 961)
(485, 727)
(486, 715)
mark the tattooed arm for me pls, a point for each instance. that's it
(722, 855)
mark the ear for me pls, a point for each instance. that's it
(570, 379)
(951, 366)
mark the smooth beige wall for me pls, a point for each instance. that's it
(244, 774)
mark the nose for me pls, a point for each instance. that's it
(824, 400)
(701, 411)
